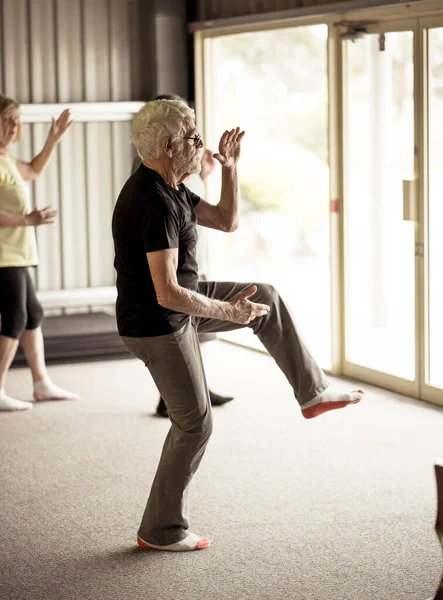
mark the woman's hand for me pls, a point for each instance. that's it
(60, 126)
(37, 217)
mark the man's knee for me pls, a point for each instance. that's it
(198, 427)
(266, 294)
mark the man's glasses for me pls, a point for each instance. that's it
(197, 138)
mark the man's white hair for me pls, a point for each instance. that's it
(155, 121)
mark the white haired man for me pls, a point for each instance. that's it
(195, 182)
(161, 305)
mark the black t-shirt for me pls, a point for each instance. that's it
(151, 215)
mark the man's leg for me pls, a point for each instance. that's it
(216, 399)
(174, 361)
(279, 334)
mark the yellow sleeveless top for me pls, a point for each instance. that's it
(18, 247)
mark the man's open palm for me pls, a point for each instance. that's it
(229, 147)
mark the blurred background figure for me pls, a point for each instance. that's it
(20, 311)
(195, 183)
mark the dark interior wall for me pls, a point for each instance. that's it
(163, 48)
(224, 9)
(93, 50)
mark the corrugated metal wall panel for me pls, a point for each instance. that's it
(42, 51)
(121, 30)
(96, 59)
(15, 57)
(99, 192)
(73, 215)
(123, 153)
(69, 51)
(59, 52)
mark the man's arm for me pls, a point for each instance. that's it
(163, 267)
(225, 215)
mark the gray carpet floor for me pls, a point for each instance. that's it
(338, 508)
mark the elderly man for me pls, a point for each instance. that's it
(195, 182)
(161, 305)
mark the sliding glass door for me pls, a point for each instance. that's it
(379, 181)
(359, 104)
(274, 85)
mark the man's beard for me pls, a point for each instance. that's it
(190, 166)
(194, 165)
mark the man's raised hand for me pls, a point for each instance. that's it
(229, 148)
(245, 311)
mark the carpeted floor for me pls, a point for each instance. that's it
(338, 508)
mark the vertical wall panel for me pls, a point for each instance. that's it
(136, 58)
(123, 154)
(46, 192)
(99, 202)
(96, 51)
(120, 49)
(16, 46)
(73, 216)
(42, 54)
(69, 51)
(171, 51)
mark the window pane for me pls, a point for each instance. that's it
(274, 85)
(380, 251)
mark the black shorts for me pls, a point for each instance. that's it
(19, 307)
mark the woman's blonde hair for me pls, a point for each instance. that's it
(7, 107)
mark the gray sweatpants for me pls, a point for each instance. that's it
(175, 363)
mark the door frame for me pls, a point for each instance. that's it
(428, 392)
(350, 369)
(418, 25)
(415, 17)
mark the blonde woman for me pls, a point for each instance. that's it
(21, 313)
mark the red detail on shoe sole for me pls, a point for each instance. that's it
(319, 409)
(143, 544)
(202, 544)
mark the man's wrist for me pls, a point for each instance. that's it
(228, 311)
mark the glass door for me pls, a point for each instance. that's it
(274, 84)
(380, 191)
